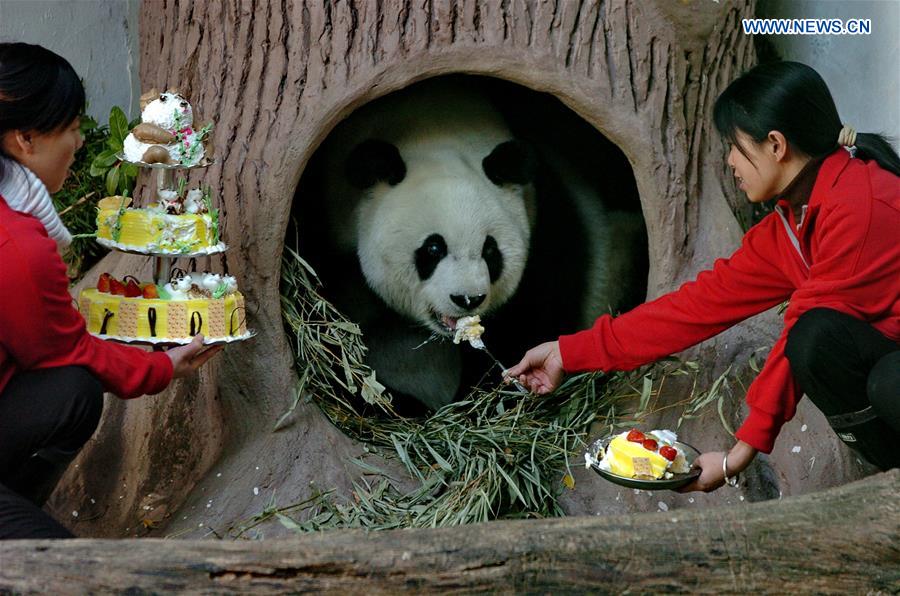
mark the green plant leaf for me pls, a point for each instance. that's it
(87, 124)
(103, 161)
(118, 124)
(112, 180)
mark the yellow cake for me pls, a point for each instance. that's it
(151, 231)
(630, 459)
(644, 458)
(173, 313)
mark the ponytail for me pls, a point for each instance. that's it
(875, 146)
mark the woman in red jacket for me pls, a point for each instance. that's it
(52, 371)
(831, 248)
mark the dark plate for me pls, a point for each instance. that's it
(676, 481)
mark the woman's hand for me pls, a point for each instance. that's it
(187, 359)
(541, 369)
(711, 474)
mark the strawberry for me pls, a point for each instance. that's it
(116, 287)
(649, 444)
(670, 453)
(103, 283)
(635, 436)
(132, 290)
(149, 291)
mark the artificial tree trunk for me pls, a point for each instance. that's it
(841, 541)
(276, 77)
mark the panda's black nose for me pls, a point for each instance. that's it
(467, 302)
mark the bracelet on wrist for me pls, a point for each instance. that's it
(733, 481)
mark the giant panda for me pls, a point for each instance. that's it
(432, 213)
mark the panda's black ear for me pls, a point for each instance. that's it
(373, 161)
(514, 162)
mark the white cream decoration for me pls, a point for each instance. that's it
(211, 281)
(230, 284)
(193, 201)
(166, 110)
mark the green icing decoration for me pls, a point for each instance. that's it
(117, 224)
(213, 214)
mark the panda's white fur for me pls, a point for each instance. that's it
(393, 222)
(443, 131)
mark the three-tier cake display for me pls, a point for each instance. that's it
(179, 222)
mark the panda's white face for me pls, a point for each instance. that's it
(440, 247)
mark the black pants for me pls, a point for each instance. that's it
(852, 373)
(45, 418)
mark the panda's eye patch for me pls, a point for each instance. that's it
(429, 255)
(491, 254)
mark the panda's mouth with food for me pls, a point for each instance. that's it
(446, 324)
(451, 302)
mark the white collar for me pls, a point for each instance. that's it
(24, 192)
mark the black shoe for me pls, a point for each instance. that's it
(869, 436)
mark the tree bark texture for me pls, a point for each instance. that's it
(841, 541)
(276, 76)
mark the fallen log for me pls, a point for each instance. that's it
(844, 540)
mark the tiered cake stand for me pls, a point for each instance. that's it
(164, 261)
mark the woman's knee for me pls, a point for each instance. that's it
(86, 398)
(810, 332)
(883, 389)
(90, 393)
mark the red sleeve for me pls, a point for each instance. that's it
(747, 283)
(40, 328)
(855, 270)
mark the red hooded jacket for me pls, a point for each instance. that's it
(844, 256)
(40, 327)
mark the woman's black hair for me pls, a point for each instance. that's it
(39, 90)
(792, 98)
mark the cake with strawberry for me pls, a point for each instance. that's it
(174, 312)
(651, 456)
(181, 222)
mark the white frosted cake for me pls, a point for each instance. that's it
(166, 133)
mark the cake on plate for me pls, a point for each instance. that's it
(166, 134)
(190, 303)
(651, 456)
(181, 222)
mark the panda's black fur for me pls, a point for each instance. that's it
(555, 294)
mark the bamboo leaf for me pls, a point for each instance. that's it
(369, 468)
(443, 463)
(512, 485)
(288, 523)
